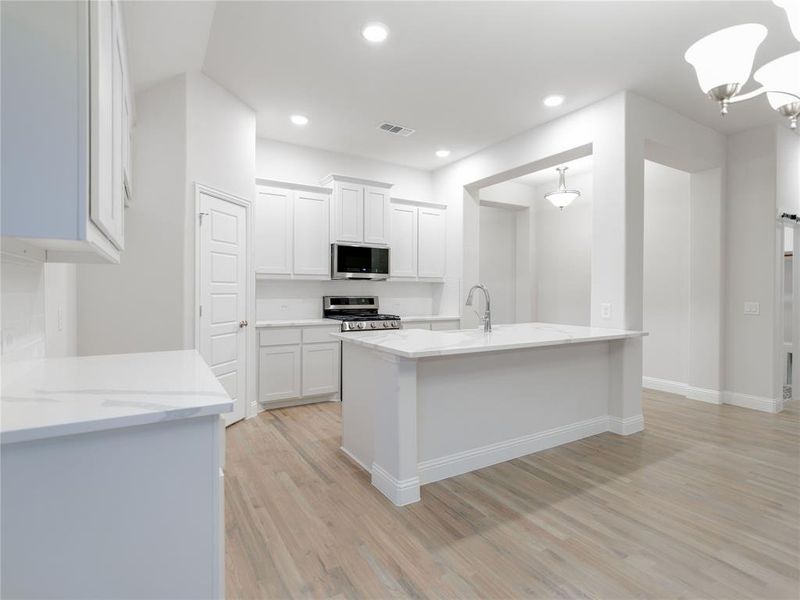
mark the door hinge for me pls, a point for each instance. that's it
(201, 215)
(201, 310)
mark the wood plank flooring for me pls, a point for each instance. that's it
(705, 503)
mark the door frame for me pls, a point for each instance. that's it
(250, 405)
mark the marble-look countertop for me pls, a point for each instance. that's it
(64, 396)
(421, 343)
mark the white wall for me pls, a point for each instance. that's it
(666, 273)
(563, 255)
(137, 306)
(498, 261)
(301, 164)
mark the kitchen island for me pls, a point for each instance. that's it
(419, 406)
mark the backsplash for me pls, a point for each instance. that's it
(22, 310)
(294, 299)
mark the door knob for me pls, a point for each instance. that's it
(242, 323)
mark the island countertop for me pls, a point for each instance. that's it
(416, 343)
(63, 396)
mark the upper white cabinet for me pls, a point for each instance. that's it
(67, 115)
(291, 231)
(359, 210)
(418, 240)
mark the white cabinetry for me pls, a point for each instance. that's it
(298, 363)
(291, 231)
(359, 210)
(67, 115)
(418, 240)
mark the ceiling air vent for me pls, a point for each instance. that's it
(395, 129)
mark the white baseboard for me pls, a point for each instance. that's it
(492, 454)
(399, 491)
(762, 403)
(682, 389)
(704, 395)
(626, 426)
(665, 385)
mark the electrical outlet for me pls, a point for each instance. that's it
(605, 310)
(284, 307)
(752, 308)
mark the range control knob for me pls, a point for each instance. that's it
(386, 324)
(396, 324)
(373, 324)
(360, 325)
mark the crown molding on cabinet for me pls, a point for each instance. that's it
(294, 186)
(335, 177)
(418, 203)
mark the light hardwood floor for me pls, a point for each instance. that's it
(703, 504)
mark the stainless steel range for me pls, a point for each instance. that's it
(358, 313)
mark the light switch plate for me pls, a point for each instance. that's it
(605, 310)
(752, 308)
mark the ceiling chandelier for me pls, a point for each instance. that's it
(723, 61)
(562, 196)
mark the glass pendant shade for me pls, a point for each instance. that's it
(562, 197)
(726, 56)
(781, 75)
(792, 8)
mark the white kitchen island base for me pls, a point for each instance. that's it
(421, 406)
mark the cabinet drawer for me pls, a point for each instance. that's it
(279, 336)
(312, 335)
(416, 325)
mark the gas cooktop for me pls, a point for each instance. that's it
(358, 313)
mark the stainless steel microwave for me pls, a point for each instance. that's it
(359, 261)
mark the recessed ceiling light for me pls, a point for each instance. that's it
(375, 32)
(443, 153)
(553, 100)
(299, 119)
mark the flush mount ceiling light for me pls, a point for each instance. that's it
(562, 196)
(299, 119)
(723, 61)
(375, 32)
(553, 100)
(443, 153)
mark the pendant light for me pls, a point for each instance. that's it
(782, 74)
(562, 196)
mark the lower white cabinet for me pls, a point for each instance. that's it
(298, 363)
(279, 371)
(321, 368)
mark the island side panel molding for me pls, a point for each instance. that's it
(394, 461)
(625, 386)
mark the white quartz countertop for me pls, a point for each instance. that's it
(430, 318)
(421, 343)
(64, 396)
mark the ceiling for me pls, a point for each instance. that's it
(578, 166)
(464, 75)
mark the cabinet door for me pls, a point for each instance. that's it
(320, 368)
(376, 215)
(311, 248)
(119, 130)
(273, 231)
(431, 242)
(278, 373)
(349, 217)
(403, 229)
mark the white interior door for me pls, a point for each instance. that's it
(223, 296)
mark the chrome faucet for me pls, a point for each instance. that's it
(487, 316)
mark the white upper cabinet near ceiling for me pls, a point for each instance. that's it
(292, 223)
(311, 248)
(403, 225)
(431, 243)
(359, 210)
(67, 115)
(273, 231)
(418, 240)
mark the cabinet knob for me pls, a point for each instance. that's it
(242, 323)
